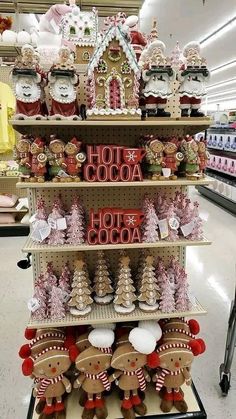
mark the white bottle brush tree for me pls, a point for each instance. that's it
(102, 282)
(81, 301)
(149, 292)
(125, 291)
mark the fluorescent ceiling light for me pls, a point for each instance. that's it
(218, 32)
(225, 99)
(223, 67)
(221, 84)
(224, 93)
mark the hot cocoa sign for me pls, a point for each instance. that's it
(112, 163)
(114, 225)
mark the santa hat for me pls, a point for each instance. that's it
(102, 339)
(132, 21)
(39, 142)
(144, 342)
(190, 45)
(75, 142)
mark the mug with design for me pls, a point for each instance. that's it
(133, 155)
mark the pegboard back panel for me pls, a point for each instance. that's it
(59, 259)
(8, 185)
(5, 74)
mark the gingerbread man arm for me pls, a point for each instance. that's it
(187, 376)
(67, 384)
(146, 375)
(115, 375)
(79, 381)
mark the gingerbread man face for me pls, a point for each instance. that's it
(56, 146)
(93, 361)
(71, 149)
(53, 364)
(156, 146)
(126, 358)
(36, 148)
(174, 359)
(23, 146)
(170, 148)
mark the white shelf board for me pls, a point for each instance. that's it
(83, 184)
(12, 209)
(152, 401)
(8, 177)
(32, 247)
(101, 314)
(14, 225)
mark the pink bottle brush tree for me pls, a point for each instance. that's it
(50, 279)
(197, 232)
(167, 303)
(40, 210)
(75, 230)
(182, 300)
(40, 295)
(150, 223)
(173, 223)
(65, 279)
(56, 304)
(57, 235)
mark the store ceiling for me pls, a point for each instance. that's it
(105, 7)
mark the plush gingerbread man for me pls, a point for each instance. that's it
(23, 156)
(74, 159)
(93, 364)
(172, 157)
(57, 158)
(129, 361)
(155, 158)
(39, 160)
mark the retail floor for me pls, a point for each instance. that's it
(212, 275)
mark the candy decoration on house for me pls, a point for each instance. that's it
(157, 76)
(74, 159)
(56, 304)
(129, 361)
(137, 40)
(150, 222)
(102, 281)
(172, 158)
(23, 156)
(167, 300)
(193, 76)
(56, 157)
(149, 291)
(39, 160)
(58, 226)
(189, 148)
(92, 365)
(27, 79)
(125, 291)
(81, 301)
(114, 225)
(75, 229)
(80, 29)
(62, 87)
(39, 308)
(113, 77)
(203, 156)
(154, 157)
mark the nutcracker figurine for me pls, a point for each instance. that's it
(27, 81)
(74, 159)
(157, 75)
(39, 160)
(137, 39)
(203, 156)
(62, 87)
(193, 76)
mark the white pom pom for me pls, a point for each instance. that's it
(23, 37)
(153, 327)
(190, 45)
(142, 340)
(101, 338)
(9, 36)
(76, 10)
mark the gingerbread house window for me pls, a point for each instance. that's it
(72, 30)
(102, 66)
(86, 56)
(114, 53)
(87, 31)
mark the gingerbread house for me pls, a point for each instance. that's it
(113, 78)
(81, 29)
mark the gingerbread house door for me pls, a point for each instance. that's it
(115, 94)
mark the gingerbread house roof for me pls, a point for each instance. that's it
(79, 22)
(114, 32)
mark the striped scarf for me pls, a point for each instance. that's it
(161, 377)
(101, 376)
(45, 383)
(140, 375)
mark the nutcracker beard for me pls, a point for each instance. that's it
(190, 103)
(64, 102)
(28, 102)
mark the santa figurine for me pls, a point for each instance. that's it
(62, 87)
(193, 76)
(27, 80)
(137, 39)
(157, 76)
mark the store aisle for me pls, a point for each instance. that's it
(212, 274)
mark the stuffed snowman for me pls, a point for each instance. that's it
(193, 76)
(157, 75)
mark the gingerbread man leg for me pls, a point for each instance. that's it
(127, 407)
(138, 405)
(89, 408)
(100, 407)
(167, 401)
(59, 407)
(179, 402)
(49, 407)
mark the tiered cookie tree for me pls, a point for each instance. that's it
(112, 223)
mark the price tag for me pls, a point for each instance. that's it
(163, 226)
(61, 224)
(33, 304)
(32, 218)
(65, 296)
(40, 228)
(52, 223)
(61, 173)
(187, 228)
(174, 223)
(44, 232)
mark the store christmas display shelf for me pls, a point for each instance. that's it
(152, 401)
(102, 314)
(53, 185)
(32, 247)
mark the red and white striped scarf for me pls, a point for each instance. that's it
(141, 378)
(101, 376)
(161, 377)
(45, 383)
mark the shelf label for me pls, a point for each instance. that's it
(174, 223)
(188, 228)
(33, 304)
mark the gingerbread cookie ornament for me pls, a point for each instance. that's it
(129, 361)
(39, 160)
(93, 364)
(23, 156)
(155, 159)
(56, 159)
(74, 159)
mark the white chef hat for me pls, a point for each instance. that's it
(157, 44)
(193, 44)
(27, 46)
(142, 340)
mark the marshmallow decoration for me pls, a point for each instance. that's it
(142, 340)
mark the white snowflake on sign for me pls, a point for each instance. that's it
(131, 220)
(131, 156)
